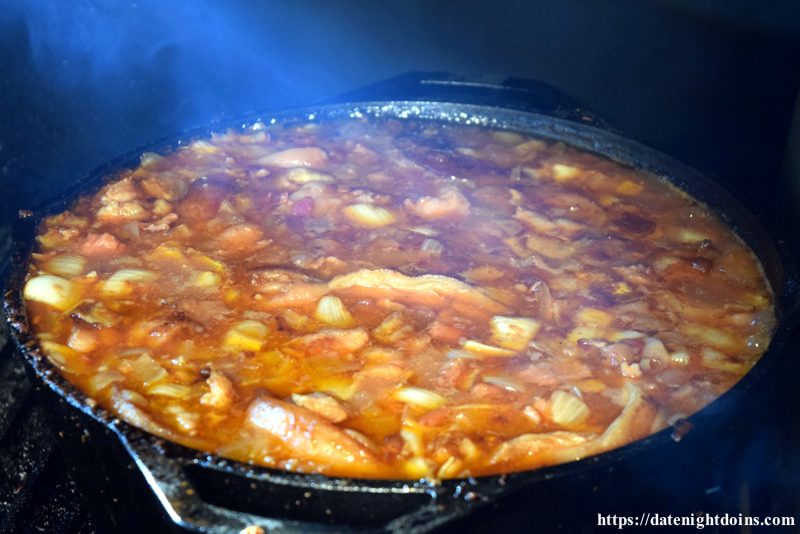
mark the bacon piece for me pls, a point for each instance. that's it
(101, 245)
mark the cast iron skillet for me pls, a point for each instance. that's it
(204, 492)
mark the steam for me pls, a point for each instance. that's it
(192, 60)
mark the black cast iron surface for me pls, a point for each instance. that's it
(712, 470)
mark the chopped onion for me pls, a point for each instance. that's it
(532, 414)
(432, 246)
(146, 371)
(460, 354)
(513, 332)
(718, 360)
(120, 284)
(594, 317)
(294, 320)
(331, 311)
(681, 357)
(566, 409)
(391, 329)
(53, 290)
(300, 175)
(620, 335)
(450, 468)
(103, 379)
(505, 383)
(369, 215)
(424, 230)
(59, 354)
(176, 391)
(207, 279)
(420, 397)
(654, 348)
(66, 265)
(247, 336)
(487, 350)
(563, 172)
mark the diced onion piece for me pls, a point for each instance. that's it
(531, 413)
(718, 360)
(176, 391)
(120, 284)
(584, 332)
(450, 468)
(566, 409)
(459, 354)
(246, 335)
(432, 246)
(424, 230)
(59, 354)
(53, 290)
(103, 379)
(69, 265)
(146, 371)
(629, 188)
(562, 173)
(717, 338)
(594, 317)
(294, 320)
(681, 357)
(689, 235)
(301, 175)
(620, 335)
(505, 383)
(420, 397)
(331, 311)
(207, 279)
(391, 329)
(369, 215)
(417, 467)
(513, 332)
(487, 350)
(654, 348)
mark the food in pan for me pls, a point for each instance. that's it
(395, 299)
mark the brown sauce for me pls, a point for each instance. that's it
(395, 299)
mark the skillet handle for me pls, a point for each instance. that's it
(422, 507)
(517, 93)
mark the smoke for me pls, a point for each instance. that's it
(84, 81)
(187, 60)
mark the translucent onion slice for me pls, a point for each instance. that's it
(432, 246)
(566, 409)
(246, 336)
(331, 311)
(654, 348)
(369, 215)
(505, 383)
(175, 391)
(488, 351)
(420, 397)
(53, 290)
(121, 283)
(146, 371)
(513, 332)
(68, 265)
(301, 175)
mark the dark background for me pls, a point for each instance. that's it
(714, 84)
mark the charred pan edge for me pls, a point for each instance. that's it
(163, 462)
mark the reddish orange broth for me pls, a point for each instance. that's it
(577, 305)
